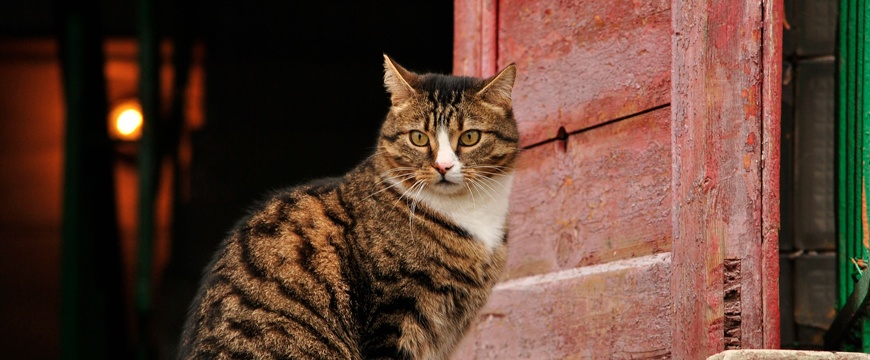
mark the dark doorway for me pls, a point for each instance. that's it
(293, 91)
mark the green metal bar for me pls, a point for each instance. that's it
(851, 329)
(849, 155)
(857, 342)
(863, 327)
(857, 248)
(848, 67)
(864, 132)
(844, 66)
(149, 159)
(93, 322)
(856, 307)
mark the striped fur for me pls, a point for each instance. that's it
(393, 260)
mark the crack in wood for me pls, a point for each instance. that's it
(562, 137)
(731, 287)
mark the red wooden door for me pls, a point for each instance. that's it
(644, 216)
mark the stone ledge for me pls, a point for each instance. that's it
(787, 354)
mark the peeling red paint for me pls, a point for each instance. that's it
(750, 141)
(721, 135)
(620, 208)
(612, 51)
(771, 39)
(634, 150)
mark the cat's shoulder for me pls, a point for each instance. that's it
(286, 199)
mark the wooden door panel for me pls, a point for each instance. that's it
(624, 243)
(618, 310)
(584, 63)
(602, 195)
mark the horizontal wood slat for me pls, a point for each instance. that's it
(606, 197)
(584, 63)
(617, 310)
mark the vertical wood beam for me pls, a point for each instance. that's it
(719, 129)
(771, 144)
(475, 39)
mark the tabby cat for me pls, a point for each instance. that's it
(393, 260)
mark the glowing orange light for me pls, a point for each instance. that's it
(125, 121)
(129, 121)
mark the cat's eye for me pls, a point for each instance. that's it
(469, 138)
(419, 138)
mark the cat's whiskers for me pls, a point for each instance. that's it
(396, 181)
(469, 177)
(408, 191)
(492, 181)
(476, 182)
(416, 201)
(473, 203)
(479, 192)
(490, 173)
(500, 169)
(399, 171)
(379, 151)
(403, 174)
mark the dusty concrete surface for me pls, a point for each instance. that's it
(786, 354)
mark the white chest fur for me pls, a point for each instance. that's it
(482, 212)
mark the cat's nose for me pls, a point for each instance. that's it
(443, 166)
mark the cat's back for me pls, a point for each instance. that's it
(277, 288)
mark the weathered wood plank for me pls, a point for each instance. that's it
(770, 150)
(578, 313)
(605, 197)
(474, 37)
(583, 63)
(696, 256)
(717, 205)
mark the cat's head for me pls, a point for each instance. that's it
(448, 134)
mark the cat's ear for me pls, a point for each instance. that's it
(398, 81)
(497, 89)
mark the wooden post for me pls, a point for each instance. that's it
(475, 37)
(771, 103)
(853, 155)
(725, 130)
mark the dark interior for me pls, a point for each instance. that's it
(293, 92)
